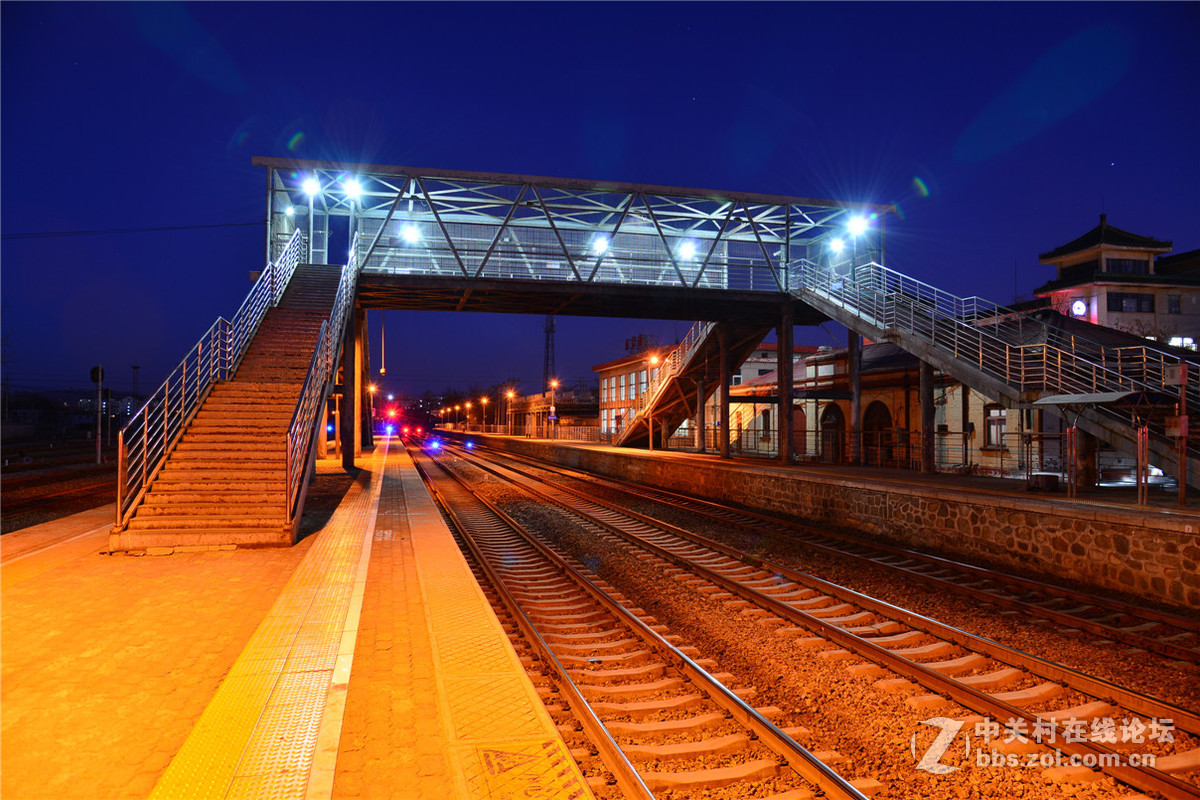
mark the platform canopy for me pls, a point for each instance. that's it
(494, 227)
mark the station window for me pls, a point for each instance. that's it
(1172, 304)
(994, 429)
(622, 379)
(1127, 266)
(1131, 302)
(642, 382)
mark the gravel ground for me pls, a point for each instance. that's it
(31, 499)
(875, 732)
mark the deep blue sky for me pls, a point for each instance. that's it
(1000, 130)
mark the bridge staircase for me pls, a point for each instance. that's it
(670, 397)
(1013, 358)
(226, 460)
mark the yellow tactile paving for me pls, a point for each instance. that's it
(439, 705)
(478, 729)
(258, 735)
(499, 734)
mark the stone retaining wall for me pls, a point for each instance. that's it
(1150, 553)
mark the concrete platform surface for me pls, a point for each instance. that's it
(362, 662)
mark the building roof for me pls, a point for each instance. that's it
(1105, 234)
(1187, 263)
(637, 357)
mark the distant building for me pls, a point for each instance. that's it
(1125, 281)
(623, 380)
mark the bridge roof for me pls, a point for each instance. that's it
(303, 165)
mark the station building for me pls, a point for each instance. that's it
(1122, 280)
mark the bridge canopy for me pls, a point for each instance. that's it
(492, 227)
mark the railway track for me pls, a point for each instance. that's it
(1153, 630)
(904, 651)
(658, 719)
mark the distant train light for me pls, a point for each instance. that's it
(470, 445)
(390, 429)
(392, 413)
(403, 430)
(420, 430)
(435, 444)
(329, 429)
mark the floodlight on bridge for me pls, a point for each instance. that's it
(291, 212)
(353, 189)
(687, 251)
(837, 245)
(410, 234)
(311, 186)
(857, 226)
(600, 245)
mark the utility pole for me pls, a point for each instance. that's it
(548, 369)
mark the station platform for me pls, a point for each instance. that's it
(362, 662)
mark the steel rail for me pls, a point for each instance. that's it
(1079, 681)
(628, 780)
(794, 755)
(795, 534)
(1143, 778)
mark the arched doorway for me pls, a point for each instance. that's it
(833, 434)
(877, 435)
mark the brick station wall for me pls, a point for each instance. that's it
(1147, 553)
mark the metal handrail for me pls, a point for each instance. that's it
(965, 328)
(313, 394)
(148, 438)
(670, 366)
(1144, 365)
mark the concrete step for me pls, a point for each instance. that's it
(140, 523)
(265, 449)
(183, 499)
(239, 508)
(220, 480)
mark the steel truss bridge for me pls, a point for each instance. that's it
(448, 240)
(739, 263)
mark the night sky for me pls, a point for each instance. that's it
(999, 130)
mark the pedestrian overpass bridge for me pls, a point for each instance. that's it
(409, 238)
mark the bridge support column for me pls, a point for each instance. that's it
(723, 389)
(925, 400)
(701, 397)
(361, 373)
(783, 354)
(854, 367)
(348, 421)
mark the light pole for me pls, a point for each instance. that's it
(457, 416)
(552, 419)
(468, 412)
(508, 397)
(483, 401)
